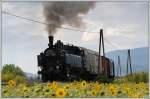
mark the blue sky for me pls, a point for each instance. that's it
(125, 25)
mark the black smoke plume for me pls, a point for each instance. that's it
(65, 12)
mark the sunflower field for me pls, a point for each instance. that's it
(75, 89)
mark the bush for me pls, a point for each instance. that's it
(10, 71)
(11, 68)
(20, 79)
(7, 76)
(103, 78)
(138, 77)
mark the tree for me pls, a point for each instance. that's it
(10, 71)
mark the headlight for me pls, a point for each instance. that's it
(68, 75)
(57, 67)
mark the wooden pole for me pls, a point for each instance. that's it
(103, 43)
(99, 53)
(99, 58)
(118, 67)
(130, 61)
(117, 70)
(127, 65)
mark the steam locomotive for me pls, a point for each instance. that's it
(67, 62)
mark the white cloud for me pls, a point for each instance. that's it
(89, 37)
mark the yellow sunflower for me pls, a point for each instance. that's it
(93, 93)
(102, 93)
(54, 84)
(53, 95)
(5, 93)
(111, 88)
(97, 87)
(50, 85)
(25, 89)
(11, 83)
(66, 87)
(83, 83)
(60, 92)
(114, 93)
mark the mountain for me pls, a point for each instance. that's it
(139, 59)
(30, 75)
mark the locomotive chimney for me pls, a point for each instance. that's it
(50, 40)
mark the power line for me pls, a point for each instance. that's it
(44, 22)
(40, 22)
(111, 44)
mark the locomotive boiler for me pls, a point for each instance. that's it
(68, 62)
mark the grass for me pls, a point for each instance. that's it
(134, 78)
(138, 77)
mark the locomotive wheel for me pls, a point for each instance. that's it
(83, 74)
(68, 75)
(87, 75)
(44, 79)
(50, 77)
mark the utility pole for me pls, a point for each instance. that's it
(99, 57)
(129, 62)
(118, 67)
(103, 43)
(101, 40)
